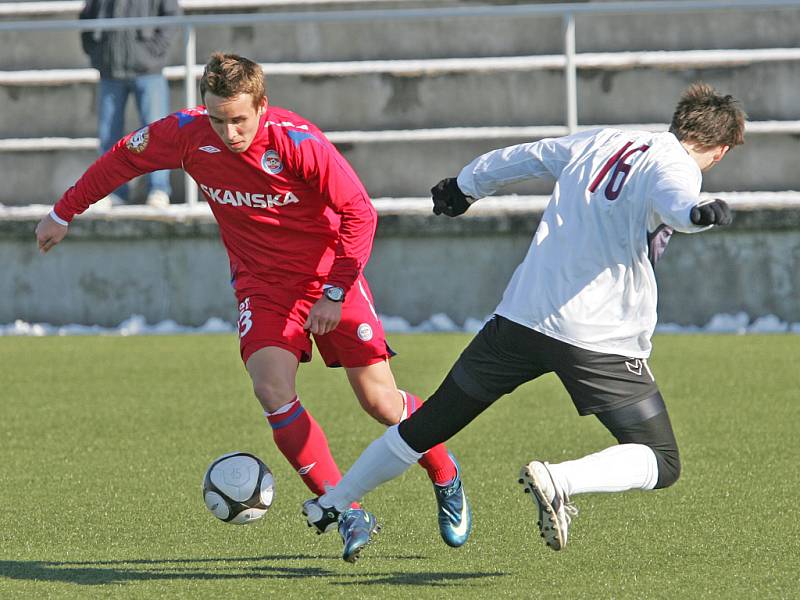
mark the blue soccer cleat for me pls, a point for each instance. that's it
(356, 527)
(455, 514)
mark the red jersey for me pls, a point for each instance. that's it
(290, 207)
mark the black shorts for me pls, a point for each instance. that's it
(505, 355)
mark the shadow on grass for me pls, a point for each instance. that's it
(422, 578)
(129, 571)
(107, 572)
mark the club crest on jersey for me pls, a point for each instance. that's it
(364, 332)
(138, 140)
(271, 162)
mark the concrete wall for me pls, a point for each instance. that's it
(452, 37)
(110, 269)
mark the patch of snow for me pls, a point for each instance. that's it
(739, 323)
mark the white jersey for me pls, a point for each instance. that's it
(588, 276)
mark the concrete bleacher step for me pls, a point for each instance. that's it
(503, 204)
(406, 163)
(506, 73)
(605, 61)
(510, 91)
(421, 38)
(49, 8)
(444, 134)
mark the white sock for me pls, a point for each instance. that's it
(384, 459)
(283, 409)
(615, 469)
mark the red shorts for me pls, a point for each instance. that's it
(275, 316)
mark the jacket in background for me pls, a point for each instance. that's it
(128, 53)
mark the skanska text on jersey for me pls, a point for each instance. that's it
(254, 200)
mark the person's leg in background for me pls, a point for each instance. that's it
(152, 100)
(112, 96)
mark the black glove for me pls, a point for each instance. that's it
(448, 199)
(714, 213)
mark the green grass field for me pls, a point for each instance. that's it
(105, 441)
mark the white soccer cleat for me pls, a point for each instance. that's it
(555, 509)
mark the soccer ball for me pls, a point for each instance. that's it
(238, 488)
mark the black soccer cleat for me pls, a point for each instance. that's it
(322, 518)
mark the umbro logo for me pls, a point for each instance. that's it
(209, 149)
(635, 366)
(305, 470)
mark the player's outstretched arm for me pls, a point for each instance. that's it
(448, 199)
(717, 212)
(49, 233)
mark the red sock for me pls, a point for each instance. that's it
(435, 461)
(302, 441)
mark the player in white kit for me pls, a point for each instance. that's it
(582, 304)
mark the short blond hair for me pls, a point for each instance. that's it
(230, 75)
(707, 118)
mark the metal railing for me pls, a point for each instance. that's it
(567, 12)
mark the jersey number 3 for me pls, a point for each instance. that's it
(621, 170)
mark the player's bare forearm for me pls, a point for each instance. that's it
(49, 233)
(323, 317)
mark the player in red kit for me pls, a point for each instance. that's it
(298, 227)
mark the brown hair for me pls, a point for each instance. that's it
(229, 75)
(707, 118)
